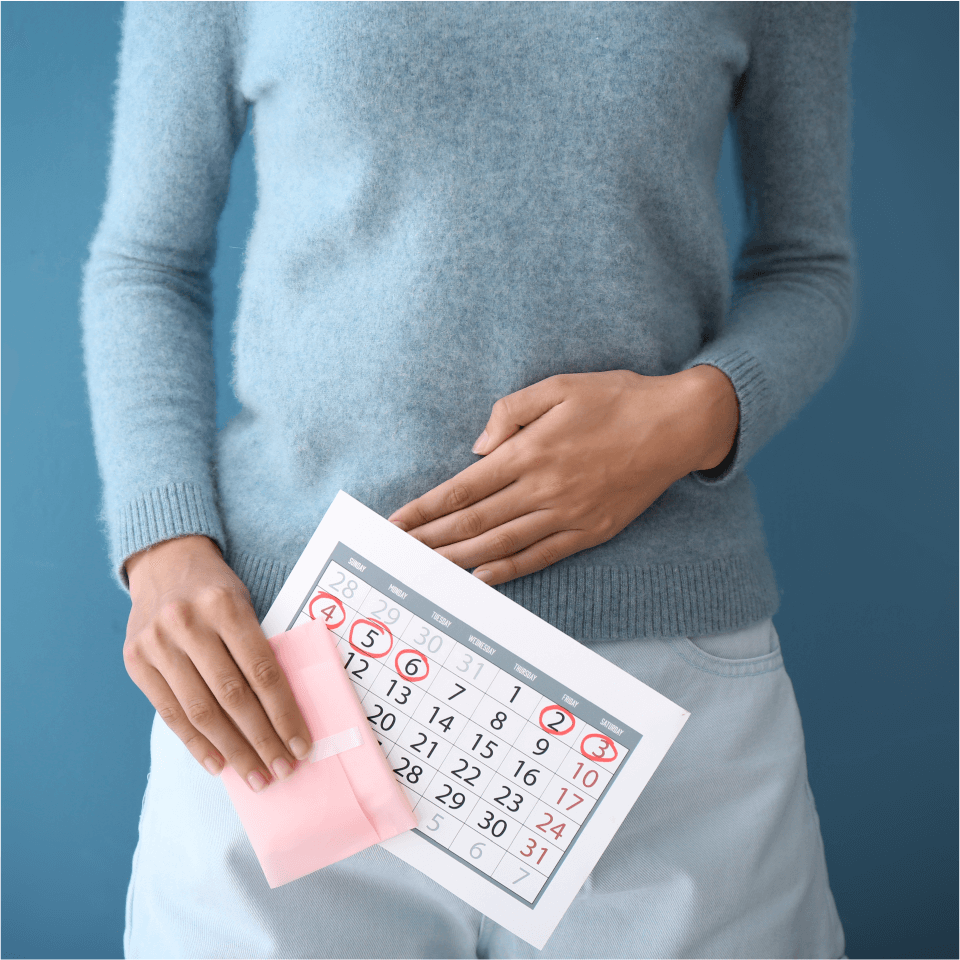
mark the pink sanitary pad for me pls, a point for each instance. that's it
(340, 801)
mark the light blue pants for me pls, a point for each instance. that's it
(720, 857)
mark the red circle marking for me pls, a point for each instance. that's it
(557, 733)
(328, 596)
(590, 756)
(380, 626)
(417, 654)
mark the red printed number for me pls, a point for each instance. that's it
(557, 830)
(589, 778)
(530, 850)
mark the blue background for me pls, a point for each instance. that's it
(858, 495)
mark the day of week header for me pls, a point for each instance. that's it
(611, 726)
(443, 621)
(357, 564)
(480, 645)
(529, 674)
(402, 594)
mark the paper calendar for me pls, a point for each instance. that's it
(521, 750)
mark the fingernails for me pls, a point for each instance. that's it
(257, 781)
(400, 524)
(485, 575)
(299, 747)
(281, 769)
(481, 442)
(213, 765)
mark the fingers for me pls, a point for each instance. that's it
(517, 410)
(193, 705)
(469, 486)
(536, 557)
(472, 521)
(210, 672)
(502, 541)
(263, 706)
(483, 479)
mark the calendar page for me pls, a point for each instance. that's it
(521, 750)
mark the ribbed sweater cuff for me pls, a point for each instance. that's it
(753, 396)
(164, 513)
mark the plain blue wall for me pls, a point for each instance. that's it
(859, 498)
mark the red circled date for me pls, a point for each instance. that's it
(412, 661)
(370, 649)
(556, 727)
(608, 749)
(331, 603)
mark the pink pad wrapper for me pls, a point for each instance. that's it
(341, 800)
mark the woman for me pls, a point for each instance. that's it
(494, 220)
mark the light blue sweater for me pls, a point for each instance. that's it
(455, 201)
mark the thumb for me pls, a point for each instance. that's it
(517, 410)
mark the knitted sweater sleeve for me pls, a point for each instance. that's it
(793, 297)
(146, 306)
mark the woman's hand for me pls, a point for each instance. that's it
(195, 648)
(569, 462)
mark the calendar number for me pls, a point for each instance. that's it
(598, 747)
(466, 665)
(348, 589)
(523, 875)
(498, 719)
(461, 773)
(497, 827)
(327, 608)
(508, 799)
(433, 643)
(371, 637)
(419, 744)
(557, 830)
(363, 665)
(554, 719)
(411, 775)
(451, 798)
(531, 849)
(445, 722)
(434, 824)
(530, 777)
(588, 776)
(386, 613)
(577, 799)
(487, 750)
(542, 746)
(412, 665)
(382, 719)
(402, 695)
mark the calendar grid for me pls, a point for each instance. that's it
(515, 762)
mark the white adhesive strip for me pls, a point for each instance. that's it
(338, 743)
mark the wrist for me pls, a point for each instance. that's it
(177, 551)
(715, 413)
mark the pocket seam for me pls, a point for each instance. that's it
(690, 653)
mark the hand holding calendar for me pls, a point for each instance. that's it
(520, 750)
(195, 649)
